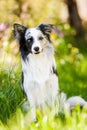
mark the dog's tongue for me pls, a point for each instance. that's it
(58, 31)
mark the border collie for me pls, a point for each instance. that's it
(39, 75)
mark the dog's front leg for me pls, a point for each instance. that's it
(33, 113)
(32, 108)
(53, 91)
(31, 101)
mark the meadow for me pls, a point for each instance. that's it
(71, 60)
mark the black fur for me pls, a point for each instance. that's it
(54, 71)
(46, 30)
(25, 49)
(28, 43)
(22, 78)
(22, 84)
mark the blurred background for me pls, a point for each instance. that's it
(70, 16)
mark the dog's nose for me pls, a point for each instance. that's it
(36, 49)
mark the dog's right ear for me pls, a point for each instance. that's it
(46, 28)
(18, 30)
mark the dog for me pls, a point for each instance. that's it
(39, 74)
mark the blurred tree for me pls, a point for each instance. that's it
(74, 18)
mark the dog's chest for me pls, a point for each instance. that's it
(37, 68)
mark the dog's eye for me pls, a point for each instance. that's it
(40, 38)
(30, 39)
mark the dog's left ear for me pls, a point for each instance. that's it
(46, 28)
(18, 30)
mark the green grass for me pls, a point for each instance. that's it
(10, 93)
(71, 65)
(76, 120)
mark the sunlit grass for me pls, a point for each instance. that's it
(76, 120)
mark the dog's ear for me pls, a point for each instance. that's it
(18, 30)
(46, 28)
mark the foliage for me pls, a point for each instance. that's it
(72, 65)
(10, 92)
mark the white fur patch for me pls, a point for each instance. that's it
(40, 85)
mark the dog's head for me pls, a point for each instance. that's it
(33, 40)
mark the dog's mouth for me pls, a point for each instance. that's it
(37, 52)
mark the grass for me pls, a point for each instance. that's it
(77, 121)
(10, 93)
(71, 65)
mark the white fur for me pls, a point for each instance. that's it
(35, 33)
(75, 100)
(40, 84)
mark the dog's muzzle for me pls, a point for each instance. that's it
(36, 50)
